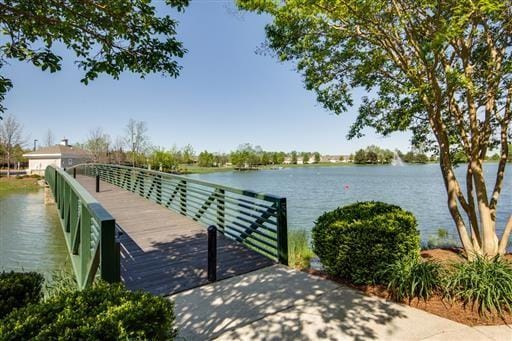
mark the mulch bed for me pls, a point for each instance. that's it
(455, 311)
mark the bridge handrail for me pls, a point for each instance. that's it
(258, 220)
(88, 228)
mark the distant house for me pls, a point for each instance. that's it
(62, 155)
(334, 158)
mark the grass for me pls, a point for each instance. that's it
(299, 251)
(413, 278)
(18, 184)
(193, 169)
(482, 283)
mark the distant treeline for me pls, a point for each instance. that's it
(376, 155)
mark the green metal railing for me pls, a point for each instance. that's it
(89, 230)
(257, 220)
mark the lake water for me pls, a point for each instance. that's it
(31, 238)
(313, 190)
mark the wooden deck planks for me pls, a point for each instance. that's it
(165, 252)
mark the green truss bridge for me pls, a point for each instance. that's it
(148, 229)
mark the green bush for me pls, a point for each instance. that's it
(412, 277)
(358, 241)
(102, 312)
(17, 289)
(482, 283)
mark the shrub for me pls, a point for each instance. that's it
(358, 241)
(17, 289)
(482, 283)
(102, 312)
(411, 277)
(299, 250)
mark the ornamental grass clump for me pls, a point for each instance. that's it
(413, 277)
(357, 242)
(299, 251)
(484, 284)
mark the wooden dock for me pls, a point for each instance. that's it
(164, 252)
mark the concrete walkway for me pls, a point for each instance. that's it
(279, 303)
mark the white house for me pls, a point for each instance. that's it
(62, 155)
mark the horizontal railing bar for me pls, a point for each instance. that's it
(266, 197)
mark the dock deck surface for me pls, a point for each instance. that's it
(164, 252)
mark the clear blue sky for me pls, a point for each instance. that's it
(226, 95)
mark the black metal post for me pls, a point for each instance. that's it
(212, 253)
(282, 232)
(74, 173)
(97, 183)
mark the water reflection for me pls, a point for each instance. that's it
(31, 238)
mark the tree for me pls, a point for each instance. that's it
(136, 139)
(106, 37)
(442, 69)
(305, 157)
(11, 137)
(294, 157)
(205, 159)
(118, 156)
(188, 154)
(49, 138)
(162, 159)
(360, 157)
(98, 144)
(317, 157)
(265, 158)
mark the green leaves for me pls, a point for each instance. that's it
(411, 277)
(102, 312)
(107, 37)
(485, 284)
(18, 289)
(407, 55)
(358, 241)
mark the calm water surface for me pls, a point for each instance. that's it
(31, 238)
(312, 191)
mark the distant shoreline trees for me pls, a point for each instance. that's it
(373, 155)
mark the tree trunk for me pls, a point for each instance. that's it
(8, 164)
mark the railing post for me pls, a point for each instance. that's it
(212, 253)
(282, 232)
(220, 210)
(183, 197)
(97, 183)
(55, 186)
(158, 189)
(74, 173)
(109, 252)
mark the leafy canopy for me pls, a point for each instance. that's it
(404, 53)
(440, 68)
(106, 36)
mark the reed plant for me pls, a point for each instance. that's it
(299, 250)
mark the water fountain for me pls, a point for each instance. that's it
(397, 160)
